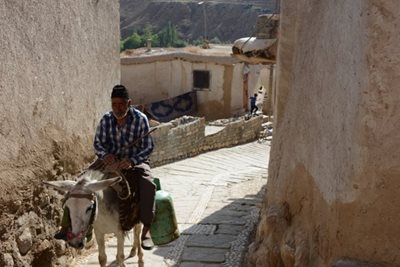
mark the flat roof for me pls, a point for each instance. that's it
(221, 54)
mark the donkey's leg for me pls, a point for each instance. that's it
(137, 244)
(101, 247)
(136, 240)
(120, 248)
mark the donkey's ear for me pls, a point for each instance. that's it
(101, 185)
(60, 185)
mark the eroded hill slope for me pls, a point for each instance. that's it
(226, 20)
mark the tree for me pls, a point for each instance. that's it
(180, 43)
(133, 41)
(148, 35)
(169, 37)
(198, 41)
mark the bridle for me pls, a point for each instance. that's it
(91, 197)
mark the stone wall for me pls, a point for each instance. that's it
(334, 172)
(58, 63)
(186, 137)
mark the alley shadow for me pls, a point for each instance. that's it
(229, 229)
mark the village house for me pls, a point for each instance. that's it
(219, 84)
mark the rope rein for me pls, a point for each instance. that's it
(127, 186)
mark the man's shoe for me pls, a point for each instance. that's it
(61, 235)
(147, 243)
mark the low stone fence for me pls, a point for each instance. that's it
(186, 137)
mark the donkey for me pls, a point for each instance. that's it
(92, 200)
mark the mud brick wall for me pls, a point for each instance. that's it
(333, 177)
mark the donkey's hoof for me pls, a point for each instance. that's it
(120, 260)
(89, 244)
(102, 261)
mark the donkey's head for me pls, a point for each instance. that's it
(81, 203)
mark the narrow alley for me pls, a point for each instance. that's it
(217, 197)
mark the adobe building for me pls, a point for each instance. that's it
(222, 84)
(59, 62)
(262, 49)
(58, 68)
(333, 188)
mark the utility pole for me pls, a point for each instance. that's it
(205, 38)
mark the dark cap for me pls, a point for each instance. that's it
(120, 91)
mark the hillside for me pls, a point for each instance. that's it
(226, 20)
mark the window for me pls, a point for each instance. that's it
(201, 79)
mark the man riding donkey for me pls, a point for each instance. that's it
(123, 145)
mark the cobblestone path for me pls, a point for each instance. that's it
(217, 197)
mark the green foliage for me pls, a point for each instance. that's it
(167, 37)
(148, 35)
(215, 40)
(180, 43)
(148, 32)
(197, 42)
(155, 41)
(133, 41)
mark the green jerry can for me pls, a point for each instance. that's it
(164, 228)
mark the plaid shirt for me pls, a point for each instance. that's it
(113, 139)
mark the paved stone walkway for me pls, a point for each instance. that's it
(217, 197)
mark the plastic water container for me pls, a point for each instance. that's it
(164, 228)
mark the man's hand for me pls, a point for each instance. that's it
(109, 159)
(118, 165)
(125, 164)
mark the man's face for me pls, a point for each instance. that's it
(120, 106)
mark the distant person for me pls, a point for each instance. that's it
(253, 106)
